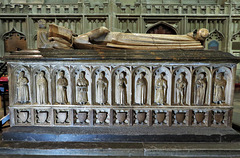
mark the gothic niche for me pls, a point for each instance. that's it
(181, 82)
(14, 41)
(221, 86)
(162, 28)
(81, 81)
(22, 86)
(121, 86)
(201, 86)
(42, 85)
(214, 40)
(61, 85)
(162, 86)
(101, 89)
(141, 86)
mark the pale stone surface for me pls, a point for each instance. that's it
(181, 87)
(42, 89)
(22, 90)
(200, 89)
(62, 84)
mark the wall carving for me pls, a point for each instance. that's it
(121, 95)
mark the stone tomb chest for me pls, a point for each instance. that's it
(90, 88)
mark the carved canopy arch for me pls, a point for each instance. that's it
(14, 41)
(235, 36)
(215, 35)
(162, 27)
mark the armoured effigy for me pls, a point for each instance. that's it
(116, 84)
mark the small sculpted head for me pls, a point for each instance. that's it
(101, 75)
(141, 75)
(42, 74)
(21, 74)
(61, 73)
(121, 75)
(201, 76)
(181, 76)
(81, 75)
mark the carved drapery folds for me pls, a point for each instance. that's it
(123, 86)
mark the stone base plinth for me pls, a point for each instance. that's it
(121, 134)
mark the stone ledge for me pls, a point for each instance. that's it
(120, 149)
(121, 134)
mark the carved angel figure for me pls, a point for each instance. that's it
(219, 89)
(62, 84)
(141, 90)
(161, 90)
(82, 91)
(181, 87)
(42, 90)
(102, 86)
(122, 85)
(200, 89)
(22, 88)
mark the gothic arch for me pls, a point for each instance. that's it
(162, 27)
(14, 40)
(215, 35)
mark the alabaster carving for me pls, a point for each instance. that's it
(122, 89)
(42, 89)
(200, 89)
(62, 84)
(161, 90)
(42, 116)
(181, 86)
(22, 88)
(60, 37)
(219, 89)
(141, 89)
(102, 89)
(62, 116)
(23, 116)
(82, 89)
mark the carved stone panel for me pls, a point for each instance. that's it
(82, 86)
(201, 86)
(42, 85)
(141, 86)
(121, 86)
(221, 85)
(61, 85)
(162, 86)
(22, 85)
(181, 86)
(101, 86)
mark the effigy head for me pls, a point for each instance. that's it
(42, 24)
(202, 34)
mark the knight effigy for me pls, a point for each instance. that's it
(120, 80)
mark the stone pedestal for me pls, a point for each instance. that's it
(121, 88)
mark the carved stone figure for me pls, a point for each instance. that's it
(44, 41)
(161, 90)
(102, 86)
(122, 85)
(42, 90)
(22, 88)
(103, 38)
(141, 90)
(219, 89)
(200, 89)
(82, 91)
(181, 87)
(62, 84)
